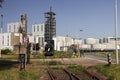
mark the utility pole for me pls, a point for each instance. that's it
(1, 29)
(116, 43)
(1, 1)
(80, 45)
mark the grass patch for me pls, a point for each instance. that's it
(40, 56)
(34, 70)
(9, 56)
(62, 54)
(76, 68)
(112, 71)
(29, 75)
(104, 54)
(57, 54)
(13, 73)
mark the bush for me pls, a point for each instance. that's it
(62, 54)
(40, 56)
(6, 51)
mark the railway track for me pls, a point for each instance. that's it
(92, 76)
(64, 74)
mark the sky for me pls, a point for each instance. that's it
(75, 18)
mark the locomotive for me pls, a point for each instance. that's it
(49, 48)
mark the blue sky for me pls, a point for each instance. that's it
(94, 17)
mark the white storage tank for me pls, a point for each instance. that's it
(86, 46)
(92, 41)
(99, 46)
(110, 46)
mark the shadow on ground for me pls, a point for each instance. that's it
(7, 64)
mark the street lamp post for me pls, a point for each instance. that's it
(79, 54)
(116, 43)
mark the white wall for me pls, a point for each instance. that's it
(6, 39)
(13, 27)
(38, 30)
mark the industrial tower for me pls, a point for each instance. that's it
(50, 25)
(24, 24)
(23, 27)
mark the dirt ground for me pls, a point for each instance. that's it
(78, 61)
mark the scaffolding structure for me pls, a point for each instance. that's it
(50, 25)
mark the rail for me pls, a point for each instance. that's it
(72, 75)
(52, 76)
(92, 76)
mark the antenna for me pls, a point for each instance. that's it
(50, 5)
(50, 8)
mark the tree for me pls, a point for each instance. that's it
(1, 1)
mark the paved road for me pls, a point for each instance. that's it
(94, 56)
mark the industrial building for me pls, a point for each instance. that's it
(15, 34)
(38, 31)
(42, 33)
(18, 27)
(13, 27)
(8, 40)
(62, 43)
